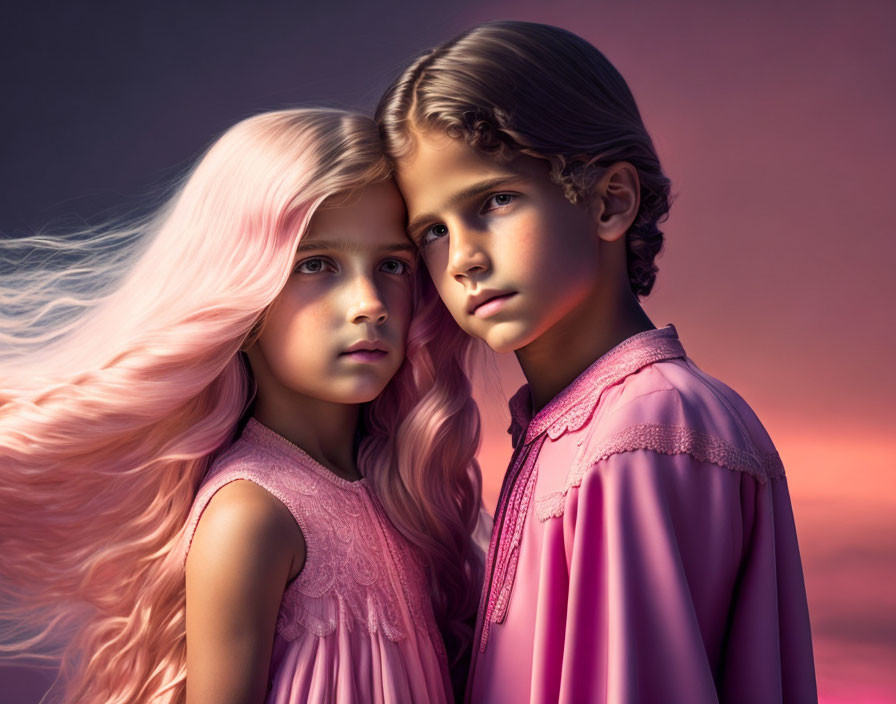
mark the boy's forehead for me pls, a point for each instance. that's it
(439, 167)
(436, 151)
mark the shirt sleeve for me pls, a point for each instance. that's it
(768, 652)
(684, 585)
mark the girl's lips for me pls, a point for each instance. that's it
(365, 355)
(492, 306)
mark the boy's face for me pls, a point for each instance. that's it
(510, 256)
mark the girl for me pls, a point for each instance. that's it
(266, 339)
(644, 546)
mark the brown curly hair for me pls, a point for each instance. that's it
(513, 88)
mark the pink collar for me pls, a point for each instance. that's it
(571, 408)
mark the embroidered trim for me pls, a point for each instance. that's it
(669, 440)
(574, 406)
(507, 552)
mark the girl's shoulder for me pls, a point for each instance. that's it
(241, 518)
(246, 495)
(240, 560)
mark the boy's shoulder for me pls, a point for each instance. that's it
(672, 406)
(647, 396)
(668, 407)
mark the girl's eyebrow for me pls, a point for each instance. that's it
(347, 246)
(471, 192)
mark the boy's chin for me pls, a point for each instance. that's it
(504, 338)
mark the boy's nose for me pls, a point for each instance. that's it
(466, 255)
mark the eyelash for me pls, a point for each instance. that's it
(406, 267)
(513, 196)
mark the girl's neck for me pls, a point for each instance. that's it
(324, 430)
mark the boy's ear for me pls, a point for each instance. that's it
(615, 200)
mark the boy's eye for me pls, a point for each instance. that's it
(499, 200)
(314, 265)
(433, 233)
(495, 202)
(395, 266)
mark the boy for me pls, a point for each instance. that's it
(644, 548)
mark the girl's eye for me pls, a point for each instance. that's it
(395, 266)
(311, 266)
(433, 233)
(499, 200)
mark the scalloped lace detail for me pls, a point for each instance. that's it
(669, 440)
(574, 406)
(358, 570)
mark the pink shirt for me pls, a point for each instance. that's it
(644, 547)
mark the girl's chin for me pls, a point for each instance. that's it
(361, 394)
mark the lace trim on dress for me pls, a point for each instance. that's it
(352, 579)
(263, 436)
(359, 571)
(669, 440)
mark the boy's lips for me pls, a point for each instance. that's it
(487, 302)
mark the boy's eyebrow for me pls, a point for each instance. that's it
(467, 193)
(346, 246)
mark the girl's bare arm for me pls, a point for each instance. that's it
(246, 548)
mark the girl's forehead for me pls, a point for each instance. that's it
(372, 218)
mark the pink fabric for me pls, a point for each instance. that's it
(356, 625)
(644, 547)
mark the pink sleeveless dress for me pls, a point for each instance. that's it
(356, 625)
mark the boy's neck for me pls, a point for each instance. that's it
(553, 361)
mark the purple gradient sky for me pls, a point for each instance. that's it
(773, 119)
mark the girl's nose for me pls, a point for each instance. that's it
(367, 304)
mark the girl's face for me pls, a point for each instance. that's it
(510, 256)
(338, 329)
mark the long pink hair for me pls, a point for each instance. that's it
(121, 381)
